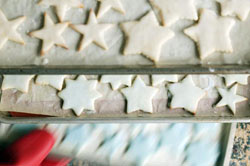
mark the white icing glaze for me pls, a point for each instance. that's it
(55, 81)
(19, 82)
(158, 79)
(51, 34)
(8, 30)
(173, 10)
(230, 98)
(139, 96)
(92, 31)
(186, 94)
(117, 80)
(79, 94)
(230, 79)
(146, 37)
(239, 8)
(106, 5)
(62, 6)
(212, 33)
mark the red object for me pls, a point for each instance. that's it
(31, 150)
(52, 161)
(19, 114)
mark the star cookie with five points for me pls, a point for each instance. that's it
(19, 82)
(8, 30)
(117, 80)
(230, 98)
(106, 5)
(174, 10)
(230, 79)
(186, 95)
(146, 37)
(62, 6)
(212, 33)
(239, 8)
(55, 81)
(92, 32)
(139, 96)
(51, 34)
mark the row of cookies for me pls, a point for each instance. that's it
(93, 32)
(81, 93)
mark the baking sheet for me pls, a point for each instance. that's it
(178, 51)
(44, 100)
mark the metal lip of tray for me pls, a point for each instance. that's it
(122, 69)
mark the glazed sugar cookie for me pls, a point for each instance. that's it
(51, 34)
(230, 98)
(93, 32)
(8, 30)
(146, 37)
(79, 94)
(158, 79)
(230, 79)
(139, 96)
(117, 80)
(55, 81)
(186, 95)
(19, 82)
(62, 6)
(239, 8)
(106, 5)
(173, 10)
(212, 33)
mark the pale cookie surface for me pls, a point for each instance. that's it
(212, 33)
(79, 94)
(117, 80)
(230, 79)
(55, 81)
(173, 10)
(93, 32)
(19, 82)
(106, 5)
(8, 30)
(146, 37)
(62, 6)
(51, 34)
(239, 8)
(186, 95)
(230, 98)
(139, 96)
(158, 79)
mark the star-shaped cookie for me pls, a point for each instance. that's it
(139, 96)
(239, 8)
(55, 81)
(62, 6)
(92, 32)
(8, 30)
(173, 10)
(51, 34)
(230, 98)
(230, 79)
(79, 94)
(106, 5)
(19, 82)
(158, 79)
(117, 80)
(186, 95)
(212, 33)
(146, 37)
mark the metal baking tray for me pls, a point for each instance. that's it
(226, 138)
